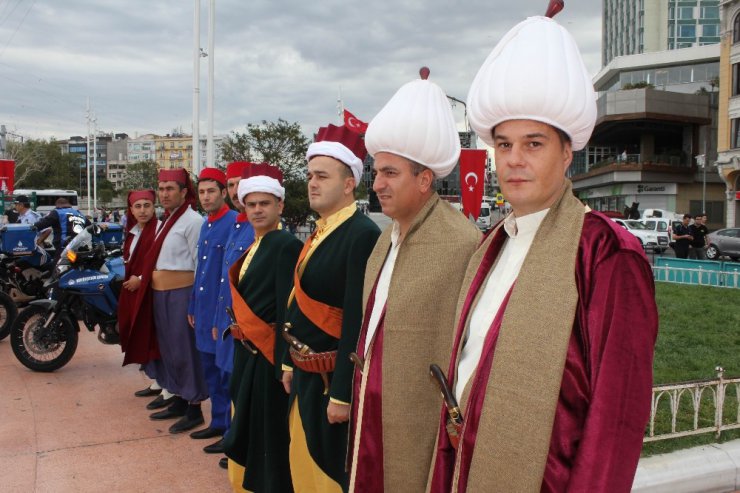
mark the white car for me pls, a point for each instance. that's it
(650, 239)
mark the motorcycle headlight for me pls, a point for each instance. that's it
(62, 268)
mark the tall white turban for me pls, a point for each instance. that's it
(534, 73)
(417, 124)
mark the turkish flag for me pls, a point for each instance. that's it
(7, 176)
(472, 178)
(354, 124)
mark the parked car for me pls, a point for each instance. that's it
(656, 241)
(724, 242)
(660, 225)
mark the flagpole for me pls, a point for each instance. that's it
(340, 107)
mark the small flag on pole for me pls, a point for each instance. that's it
(354, 124)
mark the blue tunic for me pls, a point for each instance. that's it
(240, 237)
(211, 246)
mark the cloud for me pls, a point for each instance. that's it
(272, 59)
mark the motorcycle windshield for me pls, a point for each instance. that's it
(83, 239)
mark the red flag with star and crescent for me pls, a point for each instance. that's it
(472, 179)
(353, 123)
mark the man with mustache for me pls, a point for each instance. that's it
(411, 282)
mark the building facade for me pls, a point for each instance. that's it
(631, 27)
(649, 142)
(728, 138)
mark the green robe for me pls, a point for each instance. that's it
(258, 438)
(334, 275)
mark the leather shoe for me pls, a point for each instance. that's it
(186, 423)
(160, 402)
(215, 448)
(223, 463)
(207, 433)
(147, 392)
(178, 408)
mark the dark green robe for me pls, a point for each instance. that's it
(334, 275)
(258, 438)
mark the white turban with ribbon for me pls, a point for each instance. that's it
(265, 184)
(338, 151)
(535, 72)
(417, 123)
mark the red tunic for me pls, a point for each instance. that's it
(605, 395)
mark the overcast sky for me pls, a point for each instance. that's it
(273, 59)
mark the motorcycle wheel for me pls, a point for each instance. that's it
(8, 313)
(41, 350)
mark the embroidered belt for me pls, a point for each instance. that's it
(166, 280)
(309, 360)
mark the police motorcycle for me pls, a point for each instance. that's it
(84, 288)
(24, 267)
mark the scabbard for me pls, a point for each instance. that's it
(454, 422)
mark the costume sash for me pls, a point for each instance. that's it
(326, 317)
(517, 399)
(257, 331)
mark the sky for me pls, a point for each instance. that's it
(273, 59)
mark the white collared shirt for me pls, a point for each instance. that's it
(521, 232)
(180, 247)
(384, 284)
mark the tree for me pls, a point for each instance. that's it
(106, 191)
(142, 174)
(284, 145)
(279, 143)
(41, 164)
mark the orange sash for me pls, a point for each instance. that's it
(326, 317)
(251, 327)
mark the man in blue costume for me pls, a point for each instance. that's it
(211, 244)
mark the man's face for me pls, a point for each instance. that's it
(232, 187)
(19, 208)
(400, 192)
(530, 164)
(329, 184)
(170, 195)
(686, 221)
(263, 211)
(211, 197)
(142, 210)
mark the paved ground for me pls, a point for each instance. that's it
(80, 429)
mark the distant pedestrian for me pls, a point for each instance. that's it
(699, 232)
(682, 237)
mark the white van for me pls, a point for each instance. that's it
(484, 219)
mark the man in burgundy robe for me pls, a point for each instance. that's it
(552, 357)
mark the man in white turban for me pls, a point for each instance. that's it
(410, 288)
(552, 376)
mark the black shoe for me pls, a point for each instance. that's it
(223, 463)
(193, 417)
(178, 408)
(147, 392)
(215, 448)
(160, 402)
(207, 433)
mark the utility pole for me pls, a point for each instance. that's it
(87, 155)
(95, 161)
(210, 151)
(340, 107)
(196, 89)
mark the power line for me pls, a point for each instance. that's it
(17, 27)
(10, 14)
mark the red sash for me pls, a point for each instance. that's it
(251, 327)
(326, 317)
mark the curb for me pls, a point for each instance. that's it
(709, 468)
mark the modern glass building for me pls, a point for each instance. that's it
(631, 27)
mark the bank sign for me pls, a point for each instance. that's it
(630, 189)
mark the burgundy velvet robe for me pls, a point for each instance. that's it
(604, 401)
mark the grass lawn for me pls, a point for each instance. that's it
(699, 330)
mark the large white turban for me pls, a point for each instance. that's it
(534, 73)
(260, 183)
(417, 124)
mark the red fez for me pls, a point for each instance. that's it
(349, 139)
(263, 169)
(214, 174)
(236, 169)
(178, 174)
(135, 195)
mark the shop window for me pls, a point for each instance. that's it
(715, 210)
